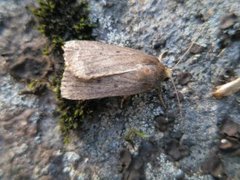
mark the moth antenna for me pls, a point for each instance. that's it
(185, 54)
(180, 59)
(189, 48)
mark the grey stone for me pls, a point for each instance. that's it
(70, 158)
(21, 149)
(1, 173)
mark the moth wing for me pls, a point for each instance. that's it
(116, 85)
(90, 59)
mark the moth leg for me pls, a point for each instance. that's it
(162, 103)
(124, 101)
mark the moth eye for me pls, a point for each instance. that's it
(98, 80)
(117, 51)
(115, 85)
(166, 78)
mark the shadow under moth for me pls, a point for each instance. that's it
(97, 70)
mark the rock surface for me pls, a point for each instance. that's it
(32, 146)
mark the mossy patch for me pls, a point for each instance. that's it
(133, 133)
(61, 21)
(64, 20)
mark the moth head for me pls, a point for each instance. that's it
(164, 73)
(167, 73)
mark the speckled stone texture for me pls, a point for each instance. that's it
(31, 144)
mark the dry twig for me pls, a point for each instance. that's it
(227, 89)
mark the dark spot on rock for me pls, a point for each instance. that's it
(230, 128)
(28, 68)
(117, 51)
(30, 25)
(225, 77)
(177, 135)
(6, 54)
(229, 30)
(175, 94)
(230, 137)
(115, 85)
(135, 165)
(22, 175)
(200, 18)
(171, 116)
(187, 141)
(94, 126)
(162, 123)
(1, 26)
(125, 159)
(38, 90)
(32, 51)
(197, 49)
(159, 44)
(223, 41)
(176, 150)
(236, 35)
(228, 21)
(107, 4)
(213, 165)
(180, 1)
(173, 146)
(184, 78)
(147, 149)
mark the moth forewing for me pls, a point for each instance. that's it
(98, 72)
(116, 85)
(91, 59)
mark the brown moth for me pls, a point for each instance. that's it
(97, 70)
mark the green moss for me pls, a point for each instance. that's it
(63, 20)
(35, 87)
(134, 133)
(60, 21)
(70, 117)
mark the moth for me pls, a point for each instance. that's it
(97, 70)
